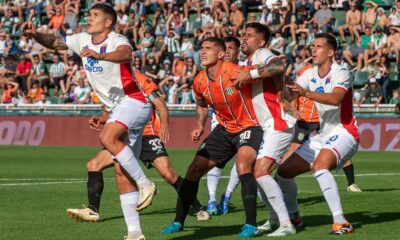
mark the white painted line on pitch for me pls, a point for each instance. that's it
(53, 181)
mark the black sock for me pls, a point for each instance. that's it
(95, 186)
(249, 197)
(186, 195)
(196, 205)
(349, 171)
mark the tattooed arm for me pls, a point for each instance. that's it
(47, 40)
(274, 68)
(202, 114)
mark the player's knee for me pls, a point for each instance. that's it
(170, 176)
(92, 166)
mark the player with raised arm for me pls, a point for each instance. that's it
(106, 57)
(232, 45)
(337, 140)
(268, 102)
(153, 154)
(237, 133)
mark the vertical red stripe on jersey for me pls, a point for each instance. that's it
(131, 88)
(271, 100)
(346, 114)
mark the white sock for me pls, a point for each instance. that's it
(330, 190)
(275, 197)
(130, 164)
(233, 182)
(128, 204)
(289, 191)
(261, 194)
(213, 177)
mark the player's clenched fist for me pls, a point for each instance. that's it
(196, 134)
(28, 28)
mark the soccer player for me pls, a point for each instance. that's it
(153, 154)
(330, 87)
(268, 102)
(232, 45)
(238, 133)
(106, 57)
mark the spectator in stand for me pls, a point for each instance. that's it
(394, 42)
(145, 46)
(3, 44)
(8, 89)
(377, 46)
(363, 44)
(39, 73)
(42, 99)
(171, 44)
(197, 41)
(25, 45)
(178, 65)
(34, 6)
(120, 5)
(207, 21)
(323, 17)
(249, 3)
(57, 77)
(353, 23)
(236, 20)
(81, 92)
(368, 17)
(159, 22)
(35, 91)
(186, 46)
(137, 64)
(166, 71)
(22, 72)
(373, 94)
(395, 97)
(289, 23)
(56, 21)
(263, 19)
(277, 42)
(186, 96)
(175, 21)
(381, 19)
(151, 68)
(170, 86)
(220, 21)
(189, 71)
(190, 4)
(394, 17)
(122, 22)
(72, 14)
(9, 23)
(276, 20)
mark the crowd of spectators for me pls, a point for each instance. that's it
(167, 34)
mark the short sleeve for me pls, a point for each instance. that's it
(303, 80)
(342, 80)
(73, 42)
(121, 40)
(148, 86)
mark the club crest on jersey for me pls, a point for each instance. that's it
(320, 89)
(313, 80)
(328, 80)
(229, 90)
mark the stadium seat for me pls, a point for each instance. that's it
(360, 79)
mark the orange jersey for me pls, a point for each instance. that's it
(232, 105)
(305, 106)
(148, 86)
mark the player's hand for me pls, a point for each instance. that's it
(196, 134)
(86, 52)
(164, 134)
(296, 113)
(94, 123)
(297, 89)
(242, 78)
(28, 28)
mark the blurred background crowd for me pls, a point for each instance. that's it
(167, 34)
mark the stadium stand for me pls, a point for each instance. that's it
(166, 37)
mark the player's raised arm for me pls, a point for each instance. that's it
(47, 40)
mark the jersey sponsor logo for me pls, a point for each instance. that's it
(320, 89)
(92, 65)
(229, 90)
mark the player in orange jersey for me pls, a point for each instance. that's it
(153, 154)
(238, 133)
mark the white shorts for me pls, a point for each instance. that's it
(339, 141)
(275, 144)
(133, 115)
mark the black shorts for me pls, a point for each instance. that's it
(152, 148)
(221, 146)
(303, 130)
(57, 81)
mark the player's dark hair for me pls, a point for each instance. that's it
(108, 10)
(217, 41)
(234, 40)
(260, 28)
(329, 39)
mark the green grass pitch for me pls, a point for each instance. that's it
(37, 185)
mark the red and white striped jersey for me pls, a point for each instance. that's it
(112, 82)
(270, 113)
